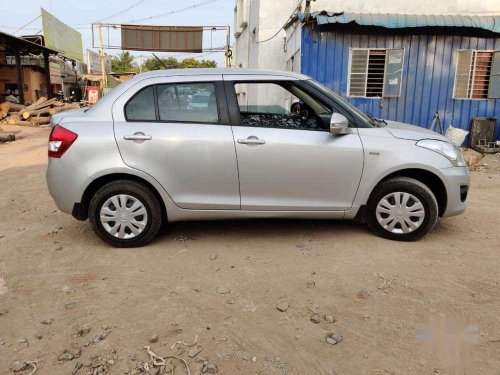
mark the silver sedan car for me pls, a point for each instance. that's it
(203, 144)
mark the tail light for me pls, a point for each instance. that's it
(60, 141)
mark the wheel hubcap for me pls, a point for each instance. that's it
(123, 216)
(400, 213)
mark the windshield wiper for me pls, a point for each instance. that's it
(375, 121)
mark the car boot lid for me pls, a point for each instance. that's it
(56, 119)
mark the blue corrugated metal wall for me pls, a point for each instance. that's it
(428, 74)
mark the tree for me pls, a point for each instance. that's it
(172, 63)
(153, 64)
(124, 62)
(193, 63)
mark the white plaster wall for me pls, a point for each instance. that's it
(251, 49)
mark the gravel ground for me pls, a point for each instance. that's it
(248, 297)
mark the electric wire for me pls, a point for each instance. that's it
(282, 27)
(199, 4)
(123, 11)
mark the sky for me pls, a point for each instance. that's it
(80, 14)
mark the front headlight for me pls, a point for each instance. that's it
(448, 150)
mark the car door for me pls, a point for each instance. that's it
(177, 130)
(287, 162)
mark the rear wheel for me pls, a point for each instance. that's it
(125, 213)
(402, 208)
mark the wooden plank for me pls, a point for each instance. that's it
(44, 104)
(33, 106)
(11, 107)
(13, 119)
(35, 121)
(67, 107)
(38, 112)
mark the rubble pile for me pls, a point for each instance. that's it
(472, 158)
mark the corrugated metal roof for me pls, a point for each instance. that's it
(403, 21)
(23, 45)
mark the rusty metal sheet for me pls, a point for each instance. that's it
(162, 38)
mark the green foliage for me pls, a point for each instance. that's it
(124, 62)
(193, 63)
(153, 64)
(172, 63)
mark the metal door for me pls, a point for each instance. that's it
(294, 169)
(194, 161)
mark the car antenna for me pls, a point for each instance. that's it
(160, 61)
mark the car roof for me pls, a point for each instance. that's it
(101, 108)
(211, 71)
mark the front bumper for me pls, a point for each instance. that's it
(457, 182)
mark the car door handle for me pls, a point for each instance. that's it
(137, 137)
(251, 141)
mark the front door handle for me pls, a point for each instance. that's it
(252, 140)
(137, 137)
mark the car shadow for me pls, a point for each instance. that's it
(274, 229)
(259, 228)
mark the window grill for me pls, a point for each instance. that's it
(477, 75)
(375, 73)
(480, 78)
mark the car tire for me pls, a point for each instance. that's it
(125, 213)
(402, 209)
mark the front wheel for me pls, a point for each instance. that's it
(125, 213)
(402, 208)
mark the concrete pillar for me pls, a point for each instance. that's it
(19, 75)
(48, 84)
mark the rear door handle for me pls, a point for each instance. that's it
(137, 137)
(252, 140)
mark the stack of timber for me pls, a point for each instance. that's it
(36, 114)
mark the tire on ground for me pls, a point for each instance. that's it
(137, 190)
(408, 185)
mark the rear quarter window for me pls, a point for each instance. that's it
(142, 106)
(188, 102)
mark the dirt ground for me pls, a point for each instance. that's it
(58, 280)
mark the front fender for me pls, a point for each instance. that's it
(385, 155)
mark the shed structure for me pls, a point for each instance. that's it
(11, 46)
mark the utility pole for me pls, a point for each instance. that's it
(104, 83)
(228, 53)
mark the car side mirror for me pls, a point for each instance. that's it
(339, 124)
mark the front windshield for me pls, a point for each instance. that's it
(341, 99)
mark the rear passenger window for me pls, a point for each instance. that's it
(188, 102)
(142, 106)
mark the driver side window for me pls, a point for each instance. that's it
(280, 104)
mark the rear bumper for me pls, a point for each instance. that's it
(65, 184)
(457, 182)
